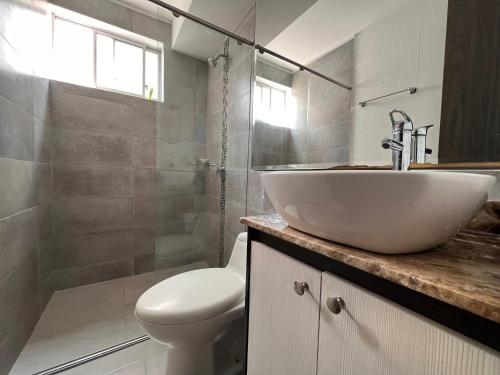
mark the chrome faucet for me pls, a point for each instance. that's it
(400, 144)
(419, 150)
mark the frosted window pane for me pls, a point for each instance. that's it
(151, 76)
(277, 100)
(104, 61)
(73, 52)
(128, 68)
(266, 100)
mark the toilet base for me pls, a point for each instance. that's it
(192, 359)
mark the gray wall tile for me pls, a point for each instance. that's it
(79, 112)
(145, 240)
(144, 211)
(18, 291)
(78, 250)
(144, 154)
(16, 186)
(41, 142)
(18, 239)
(106, 11)
(42, 180)
(83, 148)
(16, 132)
(78, 216)
(145, 118)
(88, 182)
(92, 273)
(19, 334)
(144, 181)
(16, 77)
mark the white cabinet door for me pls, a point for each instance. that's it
(283, 325)
(372, 335)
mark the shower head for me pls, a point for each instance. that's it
(212, 61)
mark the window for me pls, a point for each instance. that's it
(274, 104)
(91, 57)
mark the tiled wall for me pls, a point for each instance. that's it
(322, 130)
(329, 109)
(25, 227)
(181, 219)
(126, 184)
(103, 176)
(405, 49)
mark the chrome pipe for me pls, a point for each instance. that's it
(92, 357)
(178, 12)
(300, 66)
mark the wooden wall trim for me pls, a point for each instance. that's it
(470, 114)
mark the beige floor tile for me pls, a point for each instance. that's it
(83, 320)
(125, 362)
(83, 305)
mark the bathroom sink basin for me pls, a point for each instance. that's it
(382, 211)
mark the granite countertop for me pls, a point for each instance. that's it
(464, 272)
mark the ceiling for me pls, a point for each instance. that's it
(302, 30)
(327, 24)
(198, 41)
(188, 37)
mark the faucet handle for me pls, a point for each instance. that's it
(423, 130)
(402, 113)
(389, 143)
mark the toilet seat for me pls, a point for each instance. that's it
(191, 296)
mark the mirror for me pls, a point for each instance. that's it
(377, 48)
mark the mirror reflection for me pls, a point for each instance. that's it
(390, 52)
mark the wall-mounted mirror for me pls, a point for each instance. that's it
(391, 53)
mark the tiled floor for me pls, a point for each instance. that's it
(86, 319)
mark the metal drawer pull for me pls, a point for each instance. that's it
(335, 304)
(300, 287)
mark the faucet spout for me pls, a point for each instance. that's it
(400, 144)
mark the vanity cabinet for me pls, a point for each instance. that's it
(338, 328)
(283, 324)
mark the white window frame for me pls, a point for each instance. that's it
(122, 39)
(265, 83)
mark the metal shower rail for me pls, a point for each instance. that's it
(178, 12)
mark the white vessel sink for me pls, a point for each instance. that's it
(383, 211)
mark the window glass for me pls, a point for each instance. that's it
(113, 62)
(73, 52)
(266, 98)
(277, 100)
(128, 68)
(275, 105)
(151, 79)
(104, 61)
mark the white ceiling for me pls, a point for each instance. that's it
(188, 37)
(327, 24)
(198, 41)
(302, 30)
(273, 16)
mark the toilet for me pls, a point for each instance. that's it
(189, 312)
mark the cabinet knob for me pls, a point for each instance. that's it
(300, 287)
(335, 304)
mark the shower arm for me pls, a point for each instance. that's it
(178, 12)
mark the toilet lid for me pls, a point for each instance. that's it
(191, 296)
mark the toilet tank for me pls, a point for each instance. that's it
(238, 261)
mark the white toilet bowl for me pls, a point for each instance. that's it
(189, 312)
